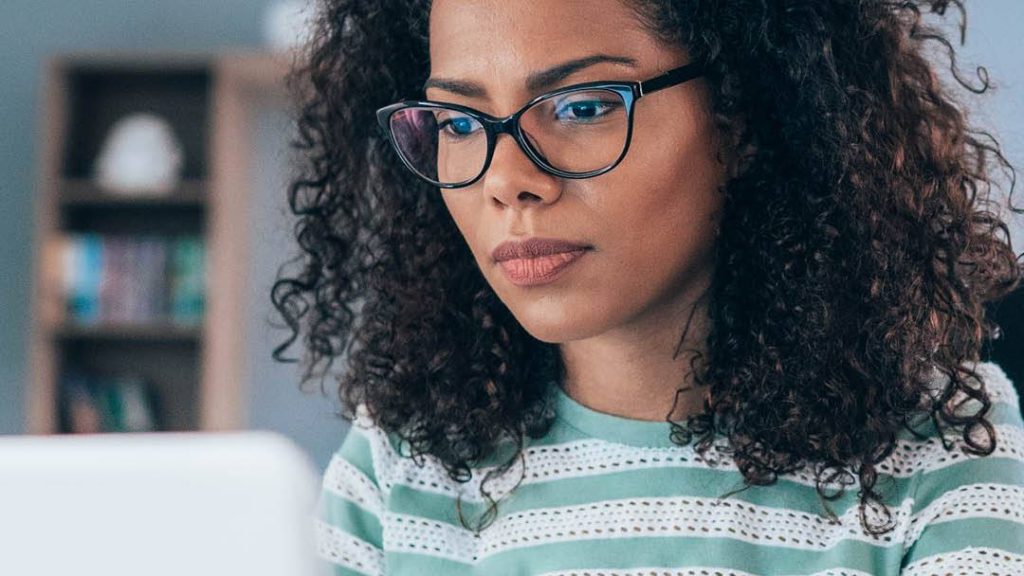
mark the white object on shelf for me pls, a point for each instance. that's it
(287, 24)
(140, 156)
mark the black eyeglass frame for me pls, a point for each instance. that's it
(630, 91)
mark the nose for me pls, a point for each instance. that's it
(513, 177)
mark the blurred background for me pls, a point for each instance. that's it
(143, 212)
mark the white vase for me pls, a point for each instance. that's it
(140, 156)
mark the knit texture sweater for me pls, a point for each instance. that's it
(603, 495)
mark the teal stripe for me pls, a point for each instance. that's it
(355, 448)
(592, 423)
(968, 532)
(339, 570)
(609, 426)
(1008, 412)
(559, 434)
(438, 507)
(350, 517)
(668, 551)
(402, 563)
(986, 470)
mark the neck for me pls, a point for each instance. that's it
(635, 372)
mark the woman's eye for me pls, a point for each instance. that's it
(458, 126)
(584, 109)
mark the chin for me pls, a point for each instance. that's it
(554, 319)
(556, 327)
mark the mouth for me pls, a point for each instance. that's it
(534, 247)
(538, 270)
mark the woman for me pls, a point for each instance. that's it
(652, 287)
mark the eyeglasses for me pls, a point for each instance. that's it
(578, 131)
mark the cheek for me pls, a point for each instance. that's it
(664, 203)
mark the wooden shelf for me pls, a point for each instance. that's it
(81, 192)
(210, 101)
(152, 332)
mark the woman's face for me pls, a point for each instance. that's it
(650, 222)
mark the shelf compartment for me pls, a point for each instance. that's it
(99, 97)
(83, 193)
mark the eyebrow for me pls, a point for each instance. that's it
(535, 82)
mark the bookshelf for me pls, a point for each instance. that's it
(140, 292)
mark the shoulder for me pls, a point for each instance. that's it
(368, 447)
(386, 458)
(995, 382)
(360, 468)
(353, 471)
(1001, 391)
(952, 482)
(969, 507)
(943, 457)
(349, 513)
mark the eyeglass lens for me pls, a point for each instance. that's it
(578, 132)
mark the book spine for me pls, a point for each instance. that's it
(89, 273)
(79, 411)
(161, 274)
(71, 278)
(188, 280)
(136, 406)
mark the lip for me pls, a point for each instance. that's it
(537, 260)
(534, 247)
(541, 269)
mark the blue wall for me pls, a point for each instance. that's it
(993, 41)
(275, 402)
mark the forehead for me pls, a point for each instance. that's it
(498, 42)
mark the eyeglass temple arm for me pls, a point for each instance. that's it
(672, 77)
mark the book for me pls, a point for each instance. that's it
(132, 279)
(188, 280)
(91, 403)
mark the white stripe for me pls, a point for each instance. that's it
(930, 455)
(973, 560)
(684, 516)
(340, 547)
(691, 571)
(348, 482)
(696, 518)
(418, 535)
(677, 516)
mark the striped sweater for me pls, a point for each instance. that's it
(611, 496)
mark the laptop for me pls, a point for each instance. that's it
(158, 504)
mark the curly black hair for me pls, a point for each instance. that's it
(862, 215)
